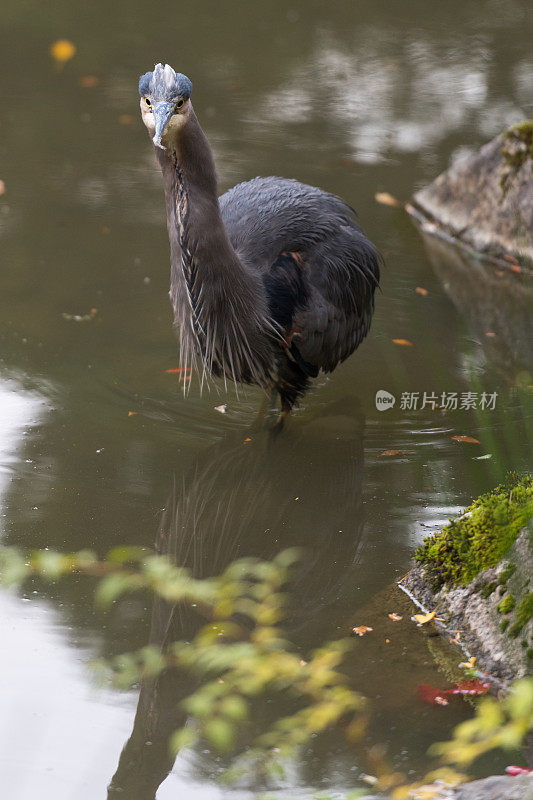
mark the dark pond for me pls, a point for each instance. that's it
(354, 97)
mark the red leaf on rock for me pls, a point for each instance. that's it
(476, 687)
(433, 696)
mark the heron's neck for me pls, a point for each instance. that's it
(207, 277)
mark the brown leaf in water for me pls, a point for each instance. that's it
(396, 453)
(516, 268)
(386, 199)
(466, 439)
(247, 440)
(360, 630)
(395, 617)
(421, 290)
(179, 369)
(88, 81)
(131, 413)
(2, 187)
(220, 409)
(490, 334)
(403, 342)
(511, 259)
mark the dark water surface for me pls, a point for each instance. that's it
(356, 97)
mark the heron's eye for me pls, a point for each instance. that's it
(148, 103)
(179, 105)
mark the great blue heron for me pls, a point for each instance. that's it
(272, 281)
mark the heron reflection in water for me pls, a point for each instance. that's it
(240, 501)
(271, 282)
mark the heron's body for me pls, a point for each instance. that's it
(270, 283)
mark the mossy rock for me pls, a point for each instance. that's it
(506, 605)
(486, 199)
(481, 537)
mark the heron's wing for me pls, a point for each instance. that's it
(265, 216)
(319, 269)
(342, 274)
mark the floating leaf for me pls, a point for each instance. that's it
(131, 413)
(396, 453)
(403, 342)
(247, 440)
(421, 290)
(395, 617)
(81, 317)
(468, 664)
(361, 630)
(466, 439)
(221, 409)
(2, 188)
(386, 199)
(482, 458)
(179, 370)
(423, 619)
(429, 694)
(490, 335)
(62, 50)
(88, 81)
(370, 779)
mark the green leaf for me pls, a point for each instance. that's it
(220, 733)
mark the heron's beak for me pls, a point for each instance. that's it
(162, 113)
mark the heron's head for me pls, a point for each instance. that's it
(165, 104)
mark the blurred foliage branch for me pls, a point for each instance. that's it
(241, 653)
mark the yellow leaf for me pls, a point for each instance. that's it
(403, 342)
(386, 199)
(395, 617)
(62, 50)
(468, 664)
(422, 619)
(421, 290)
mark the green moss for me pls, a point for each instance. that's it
(488, 589)
(504, 625)
(524, 612)
(529, 653)
(516, 150)
(457, 553)
(506, 605)
(506, 573)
